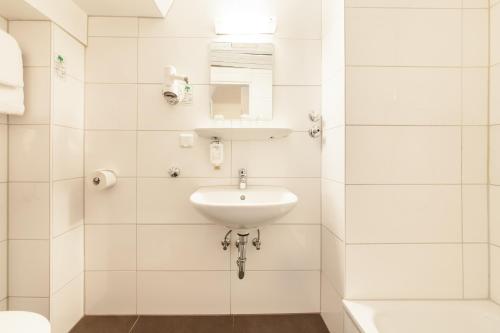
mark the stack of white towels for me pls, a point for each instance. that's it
(11, 76)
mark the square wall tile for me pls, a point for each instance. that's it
(4, 270)
(405, 3)
(67, 159)
(156, 114)
(34, 39)
(495, 155)
(284, 247)
(158, 151)
(166, 200)
(110, 247)
(158, 248)
(292, 105)
(297, 62)
(475, 213)
(433, 270)
(476, 3)
(475, 96)
(183, 293)
(494, 215)
(333, 154)
(111, 60)
(333, 207)
(275, 292)
(403, 155)
(70, 48)
(190, 56)
(37, 95)
(116, 205)
(28, 147)
(333, 260)
(403, 96)
(29, 264)
(494, 95)
(67, 253)
(111, 150)
(475, 43)
(110, 293)
(4, 153)
(67, 306)
(3, 211)
(29, 210)
(294, 156)
(333, 100)
(67, 205)
(475, 154)
(495, 273)
(38, 305)
(404, 213)
(332, 309)
(424, 37)
(495, 35)
(68, 102)
(111, 106)
(113, 26)
(476, 271)
(333, 37)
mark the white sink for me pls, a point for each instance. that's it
(243, 209)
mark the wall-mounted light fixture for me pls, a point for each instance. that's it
(245, 25)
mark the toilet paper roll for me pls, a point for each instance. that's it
(104, 179)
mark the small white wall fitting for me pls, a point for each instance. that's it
(174, 86)
(186, 140)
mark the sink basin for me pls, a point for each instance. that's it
(243, 209)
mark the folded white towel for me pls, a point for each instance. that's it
(11, 100)
(11, 76)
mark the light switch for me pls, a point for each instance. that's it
(186, 140)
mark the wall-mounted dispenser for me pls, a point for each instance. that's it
(175, 86)
(216, 152)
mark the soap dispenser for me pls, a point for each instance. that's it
(216, 152)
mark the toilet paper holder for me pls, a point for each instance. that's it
(104, 179)
(96, 180)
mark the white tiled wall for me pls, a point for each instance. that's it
(46, 185)
(416, 149)
(147, 250)
(494, 151)
(333, 199)
(405, 181)
(3, 200)
(29, 176)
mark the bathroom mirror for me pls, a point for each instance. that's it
(241, 80)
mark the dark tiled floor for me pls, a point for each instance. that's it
(297, 323)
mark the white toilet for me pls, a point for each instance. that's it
(23, 322)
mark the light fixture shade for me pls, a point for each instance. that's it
(245, 25)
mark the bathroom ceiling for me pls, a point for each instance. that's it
(144, 8)
(19, 10)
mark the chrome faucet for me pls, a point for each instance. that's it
(243, 179)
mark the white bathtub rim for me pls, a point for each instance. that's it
(363, 312)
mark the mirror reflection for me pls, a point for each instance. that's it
(241, 80)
